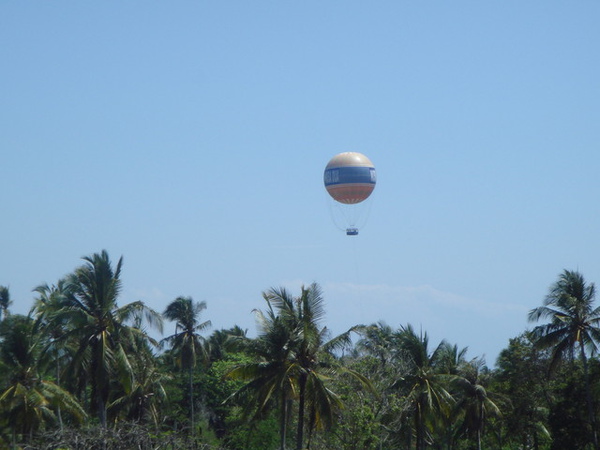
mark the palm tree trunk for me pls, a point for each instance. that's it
(480, 426)
(60, 421)
(102, 416)
(283, 424)
(301, 402)
(99, 380)
(191, 395)
(588, 395)
(419, 427)
(101, 411)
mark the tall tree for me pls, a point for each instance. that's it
(379, 358)
(450, 360)
(269, 376)
(29, 400)
(474, 402)
(296, 360)
(143, 401)
(311, 358)
(5, 301)
(518, 378)
(101, 329)
(222, 342)
(187, 342)
(425, 388)
(49, 301)
(377, 340)
(574, 324)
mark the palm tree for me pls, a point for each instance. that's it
(147, 394)
(380, 356)
(517, 376)
(296, 360)
(186, 342)
(222, 342)
(29, 401)
(377, 340)
(270, 376)
(317, 361)
(474, 402)
(425, 388)
(99, 328)
(49, 301)
(5, 301)
(574, 324)
(450, 360)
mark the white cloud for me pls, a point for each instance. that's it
(485, 327)
(386, 295)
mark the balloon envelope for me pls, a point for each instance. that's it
(350, 177)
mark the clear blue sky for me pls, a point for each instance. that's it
(191, 137)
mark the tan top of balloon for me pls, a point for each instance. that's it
(349, 159)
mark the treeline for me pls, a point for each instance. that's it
(81, 371)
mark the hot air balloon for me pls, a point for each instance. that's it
(350, 179)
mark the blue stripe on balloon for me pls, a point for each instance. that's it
(349, 175)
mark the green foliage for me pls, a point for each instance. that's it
(260, 434)
(29, 401)
(521, 377)
(294, 363)
(567, 420)
(357, 426)
(573, 330)
(5, 301)
(216, 389)
(80, 353)
(187, 343)
(99, 332)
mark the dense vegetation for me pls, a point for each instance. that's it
(82, 371)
